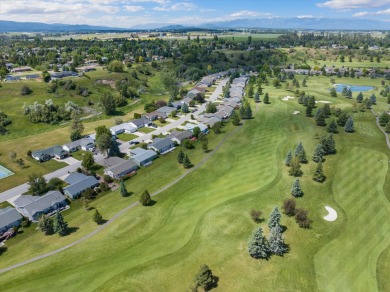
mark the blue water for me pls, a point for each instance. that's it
(354, 88)
(5, 172)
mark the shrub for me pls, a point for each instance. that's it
(301, 217)
(108, 179)
(256, 215)
(289, 206)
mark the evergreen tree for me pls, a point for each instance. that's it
(342, 119)
(204, 279)
(344, 92)
(45, 224)
(124, 191)
(300, 153)
(296, 190)
(326, 110)
(248, 111)
(205, 145)
(319, 174)
(320, 118)
(250, 91)
(274, 218)
(318, 153)
(145, 198)
(258, 246)
(180, 156)
(257, 97)
(373, 99)
(309, 110)
(59, 225)
(114, 149)
(332, 128)
(384, 118)
(349, 128)
(242, 112)
(295, 167)
(184, 108)
(97, 218)
(276, 242)
(349, 93)
(333, 92)
(367, 103)
(288, 158)
(359, 97)
(304, 82)
(235, 119)
(186, 162)
(266, 98)
(328, 144)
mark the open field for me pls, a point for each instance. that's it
(205, 217)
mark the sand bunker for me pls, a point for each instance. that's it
(296, 112)
(287, 98)
(332, 214)
(323, 101)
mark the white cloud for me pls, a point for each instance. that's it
(365, 13)
(131, 8)
(353, 4)
(184, 6)
(305, 16)
(248, 13)
(148, 1)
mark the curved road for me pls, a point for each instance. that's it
(37, 258)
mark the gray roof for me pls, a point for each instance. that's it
(55, 150)
(111, 161)
(182, 135)
(137, 151)
(39, 204)
(161, 143)
(140, 122)
(212, 121)
(8, 216)
(75, 178)
(124, 166)
(146, 155)
(80, 186)
(166, 109)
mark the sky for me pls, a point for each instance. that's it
(130, 13)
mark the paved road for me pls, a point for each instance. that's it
(380, 128)
(4, 196)
(117, 215)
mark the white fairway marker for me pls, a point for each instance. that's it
(332, 214)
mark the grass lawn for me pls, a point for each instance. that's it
(159, 124)
(205, 217)
(146, 130)
(126, 137)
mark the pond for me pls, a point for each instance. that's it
(4, 172)
(354, 88)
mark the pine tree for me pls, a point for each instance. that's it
(349, 93)
(124, 191)
(328, 144)
(184, 108)
(288, 158)
(276, 242)
(359, 97)
(309, 110)
(59, 225)
(145, 198)
(319, 174)
(248, 111)
(320, 118)
(180, 156)
(332, 128)
(349, 128)
(45, 224)
(114, 149)
(344, 92)
(326, 110)
(186, 162)
(242, 112)
(304, 82)
(274, 218)
(342, 119)
(250, 91)
(97, 218)
(295, 167)
(318, 153)
(204, 279)
(300, 153)
(257, 97)
(296, 190)
(333, 92)
(235, 119)
(373, 99)
(258, 246)
(266, 98)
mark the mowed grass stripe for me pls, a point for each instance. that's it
(348, 263)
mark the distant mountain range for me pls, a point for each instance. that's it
(264, 23)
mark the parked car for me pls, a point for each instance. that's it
(134, 142)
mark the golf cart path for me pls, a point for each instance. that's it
(380, 128)
(117, 215)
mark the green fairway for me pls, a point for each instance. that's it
(348, 263)
(204, 218)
